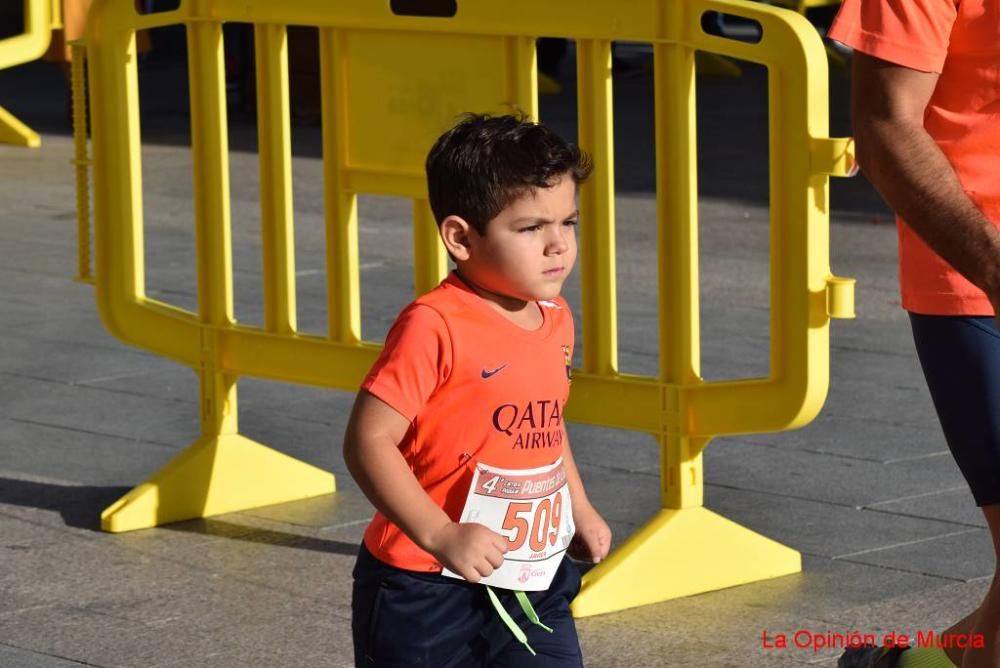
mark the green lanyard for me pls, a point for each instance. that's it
(522, 598)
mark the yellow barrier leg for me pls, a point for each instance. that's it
(216, 475)
(221, 472)
(680, 553)
(684, 549)
(13, 131)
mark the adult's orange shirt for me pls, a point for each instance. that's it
(960, 40)
(476, 388)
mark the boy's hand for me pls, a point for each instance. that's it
(592, 540)
(467, 548)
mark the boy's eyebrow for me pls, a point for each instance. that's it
(536, 219)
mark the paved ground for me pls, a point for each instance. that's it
(868, 493)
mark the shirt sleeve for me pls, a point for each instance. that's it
(415, 361)
(911, 33)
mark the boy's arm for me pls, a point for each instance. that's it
(593, 535)
(371, 450)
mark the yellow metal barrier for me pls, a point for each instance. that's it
(20, 49)
(391, 84)
(81, 162)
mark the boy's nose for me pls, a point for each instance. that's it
(558, 244)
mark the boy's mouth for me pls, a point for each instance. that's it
(553, 272)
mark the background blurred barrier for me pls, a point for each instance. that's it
(393, 79)
(40, 17)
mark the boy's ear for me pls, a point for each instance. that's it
(455, 233)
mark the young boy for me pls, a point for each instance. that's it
(457, 435)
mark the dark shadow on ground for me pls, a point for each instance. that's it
(80, 507)
(231, 530)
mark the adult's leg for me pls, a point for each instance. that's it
(987, 619)
(960, 357)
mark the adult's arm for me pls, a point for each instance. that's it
(913, 175)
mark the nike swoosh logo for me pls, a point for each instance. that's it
(490, 372)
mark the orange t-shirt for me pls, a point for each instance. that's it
(476, 388)
(960, 39)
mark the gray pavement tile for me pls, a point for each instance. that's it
(54, 324)
(822, 588)
(84, 571)
(97, 639)
(877, 367)
(626, 451)
(103, 468)
(54, 255)
(14, 657)
(289, 638)
(312, 442)
(724, 628)
(605, 489)
(256, 658)
(49, 296)
(818, 477)
(94, 411)
(257, 399)
(909, 613)
(820, 528)
(964, 555)
(296, 401)
(21, 533)
(258, 562)
(69, 362)
(16, 313)
(346, 506)
(954, 505)
(168, 380)
(887, 334)
(873, 439)
(890, 402)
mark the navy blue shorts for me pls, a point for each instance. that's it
(960, 356)
(406, 618)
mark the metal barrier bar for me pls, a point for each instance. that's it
(482, 60)
(430, 261)
(342, 263)
(677, 222)
(23, 48)
(81, 163)
(275, 148)
(597, 205)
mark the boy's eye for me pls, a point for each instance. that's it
(533, 228)
(570, 222)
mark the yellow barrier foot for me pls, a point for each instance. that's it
(680, 553)
(13, 131)
(212, 476)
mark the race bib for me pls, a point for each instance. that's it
(532, 510)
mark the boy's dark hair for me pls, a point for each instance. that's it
(486, 162)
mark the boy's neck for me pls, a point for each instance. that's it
(523, 313)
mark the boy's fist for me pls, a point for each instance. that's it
(593, 535)
(469, 549)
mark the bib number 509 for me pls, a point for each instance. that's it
(542, 528)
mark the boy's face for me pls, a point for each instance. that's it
(530, 247)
